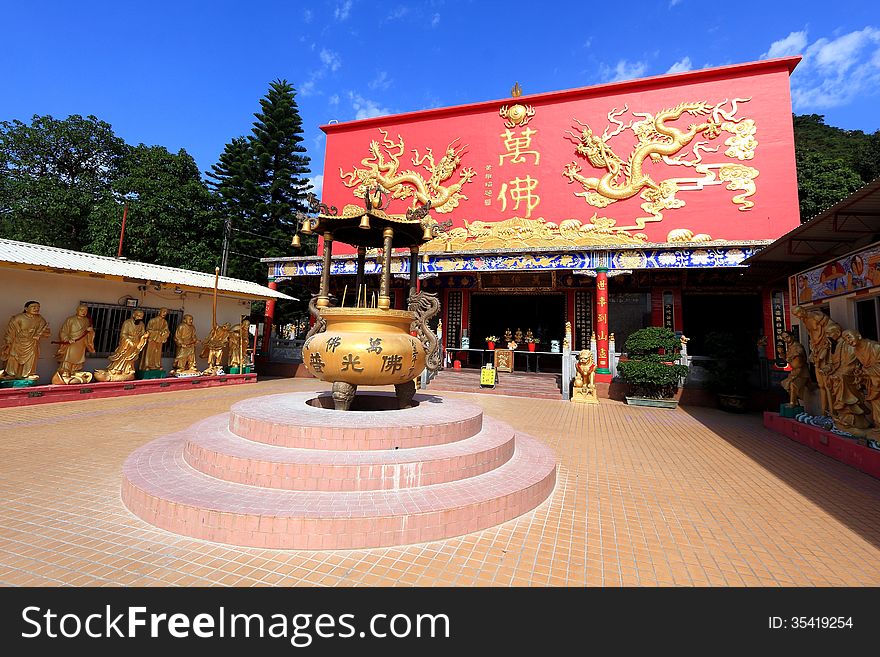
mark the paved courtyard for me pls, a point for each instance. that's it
(644, 497)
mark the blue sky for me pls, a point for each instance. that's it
(190, 74)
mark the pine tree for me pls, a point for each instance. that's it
(262, 183)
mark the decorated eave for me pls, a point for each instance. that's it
(670, 255)
(366, 225)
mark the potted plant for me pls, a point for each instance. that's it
(531, 340)
(732, 358)
(652, 369)
(490, 341)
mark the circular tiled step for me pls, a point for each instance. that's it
(162, 489)
(288, 420)
(212, 449)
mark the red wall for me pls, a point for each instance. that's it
(480, 129)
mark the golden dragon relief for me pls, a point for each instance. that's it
(382, 168)
(658, 141)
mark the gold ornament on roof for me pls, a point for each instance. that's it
(516, 90)
(382, 170)
(661, 141)
(522, 232)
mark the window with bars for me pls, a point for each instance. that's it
(107, 319)
(583, 319)
(452, 325)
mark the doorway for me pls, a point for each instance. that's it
(492, 314)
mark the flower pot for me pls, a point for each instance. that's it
(531, 346)
(491, 345)
(657, 403)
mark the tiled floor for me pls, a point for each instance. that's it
(645, 497)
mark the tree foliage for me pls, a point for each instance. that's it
(52, 175)
(261, 181)
(172, 219)
(831, 162)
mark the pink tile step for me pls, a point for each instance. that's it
(214, 450)
(288, 420)
(162, 489)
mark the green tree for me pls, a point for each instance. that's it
(822, 182)
(869, 158)
(172, 216)
(52, 174)
(262, 183)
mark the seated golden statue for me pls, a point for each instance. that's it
(213, 347)
(797, 382)
(186, 339)
(518, 336)
(75, 339)
(21, 347)
(133, 337)
(508, 336)
(584, 390)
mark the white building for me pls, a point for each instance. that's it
(112, 288)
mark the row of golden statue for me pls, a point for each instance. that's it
(847, 368)
(140, 347)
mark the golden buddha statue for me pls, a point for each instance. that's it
(186, 339)
(508, 336)
(157, 336)
(868, 354)
(213, 347)
(133, 337)
(798, 380)
(21, 347)
(518, 336)
(584, 391)
(75, 339)
(239, 339)
(848, 409)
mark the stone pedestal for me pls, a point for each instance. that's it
(288, 471)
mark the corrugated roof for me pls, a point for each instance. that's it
(49, 258)
(848, 225)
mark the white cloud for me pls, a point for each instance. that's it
(333, 100)
(397, 13)
(307, 16)
(308, 88)
(330, 59)
(317, 183)
(435, 20)
(342, 11)
(681, 66)
(833, 71)
(365, 108)
(381, 81)
(672, 3)
(793, 44)
(623, 70)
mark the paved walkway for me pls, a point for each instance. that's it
(645, 497)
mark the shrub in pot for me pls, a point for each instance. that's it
(652, 369)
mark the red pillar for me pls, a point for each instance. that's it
(269, 316)
(602, 324)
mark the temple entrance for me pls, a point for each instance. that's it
(739, 314)
(492, 314)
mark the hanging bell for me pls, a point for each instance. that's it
(296, 243)
(306, 227)
(365, 222)
(427, 235)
